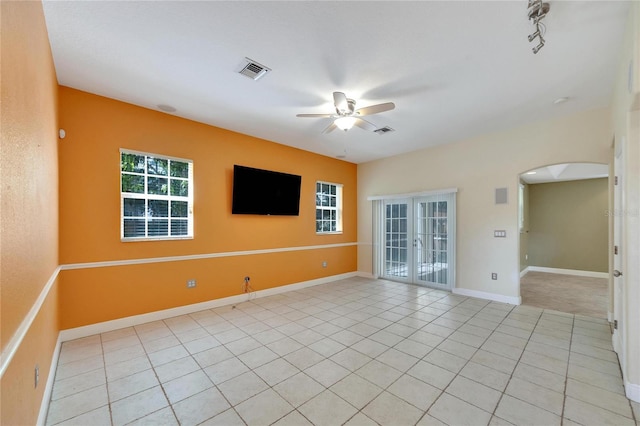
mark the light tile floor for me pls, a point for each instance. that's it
(354, 352)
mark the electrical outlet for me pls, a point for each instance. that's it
(494, 276)
(36, 376)
(324, 264)
(526, 257)
(191, 283)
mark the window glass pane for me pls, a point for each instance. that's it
(132, 183)
(158, 227)
(179, 169)
(158, 208)
(179, 187)
(157, 186)
(148, 214)
(157, 166)
(179, 208)
(328, 207)
(132, 162)
(134, 207)
(179, 227)
(134, 228)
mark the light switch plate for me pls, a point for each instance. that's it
(500, 233)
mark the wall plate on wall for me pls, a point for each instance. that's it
(501, 195)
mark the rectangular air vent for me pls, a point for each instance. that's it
(383, 130)
(252, 69)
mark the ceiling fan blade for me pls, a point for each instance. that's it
(315, 115)
(364, 124)
(374, 109)
(330, 128)
(340, 101)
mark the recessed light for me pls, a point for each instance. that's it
(561, 100)
(166, 108)
(531, 173)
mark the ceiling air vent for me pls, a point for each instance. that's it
(252, 69)
(383, 130)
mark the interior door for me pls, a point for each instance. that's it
(618, 232)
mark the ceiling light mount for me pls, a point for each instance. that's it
(537, 11)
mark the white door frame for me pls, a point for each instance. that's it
(411, 246)
(618, 264)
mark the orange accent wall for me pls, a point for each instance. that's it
(29, 213)
(97, 128)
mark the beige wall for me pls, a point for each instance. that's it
(569, 225)
(476, 167)
(626, 119)
(29, 213)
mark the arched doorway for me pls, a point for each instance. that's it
(564, 238)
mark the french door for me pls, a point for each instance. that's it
(418, 240)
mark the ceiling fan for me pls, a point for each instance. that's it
(346, 116)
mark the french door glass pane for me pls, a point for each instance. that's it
(432, 225)
(396, 237)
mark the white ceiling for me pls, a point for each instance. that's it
(453, 69)
(565, 172)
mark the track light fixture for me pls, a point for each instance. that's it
(534, 35)
(537, 10)
(538, 47)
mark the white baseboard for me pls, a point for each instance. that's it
(366, 275)
(524, 271)
(609, 316)
(488, 296)
(103, 327)
(46, 397)
(575, 272)
(632, 391)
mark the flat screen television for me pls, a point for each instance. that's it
(264, 192)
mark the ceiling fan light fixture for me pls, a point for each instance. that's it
(345, 123)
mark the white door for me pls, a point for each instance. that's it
(419, 239)
(397, 231)
(618, 232)
(434, 240)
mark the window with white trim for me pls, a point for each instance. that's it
(156, 194)
(328, 208)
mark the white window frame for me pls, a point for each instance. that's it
(146, 196)
(337, 209)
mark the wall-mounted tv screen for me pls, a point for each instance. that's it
(264, 192)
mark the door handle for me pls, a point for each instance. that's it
(617, 273)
